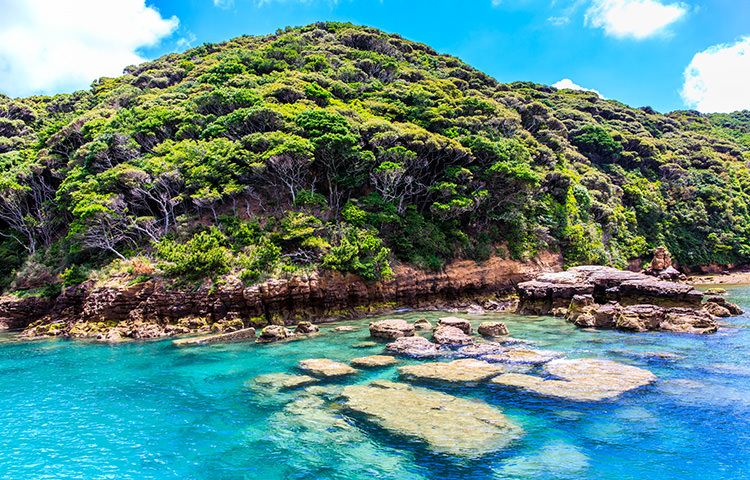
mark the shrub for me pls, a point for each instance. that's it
(204, 255)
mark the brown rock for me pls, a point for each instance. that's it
(732, 308)
(717, 310)
(523, 356)
(273, 333)
(662, 259)
(391, 329)
(480, 349)
(236, 336)
(306, 327)
(460, 323)
(446, 335)
(492, 329)
(422, 324)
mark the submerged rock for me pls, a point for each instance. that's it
(446, 424)
(492, 329)
(323, 367)
(345, 328)
(467, 371)
(446, 335)
(236, 336)
(306, 327)
(391, 329)
(284, 381)
(365, 344)
(417, 347)
(523, 356)
(581, 380)
(480, 349)
(374, 361)
(273, 333)
(460, 323)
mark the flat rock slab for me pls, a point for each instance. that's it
(374, 361)
(523, 356)
(236, 336)
(284, 381)
(581, 380)
(367, 344)
(415, 347)
(446, 424)
(466, 371)
(322, 367)
(480, 349)
(391, 329)
(460, 323)
(422, 324)
(345, 328)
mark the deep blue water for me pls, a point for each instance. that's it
(149, 410)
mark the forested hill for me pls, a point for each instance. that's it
(341, 147)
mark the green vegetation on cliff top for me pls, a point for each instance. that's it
(341, 147)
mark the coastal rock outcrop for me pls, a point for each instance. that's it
(283, 381)
(604, 297)
(446, 424)
(580, 380)
(422, 324)
(306, 327)
(374, 361)
(274, 333)
(236, 336)
(460, 323)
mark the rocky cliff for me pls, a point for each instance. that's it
(150, 309)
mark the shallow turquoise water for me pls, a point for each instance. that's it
(149, 410)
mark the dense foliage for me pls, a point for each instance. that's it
(341, 147)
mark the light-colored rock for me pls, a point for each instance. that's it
(732, 308)
(717, 310)
(374, 361)
(236, 336)
(446, 424)
(323, 367)
(492, 329)
(523, 356)
(367, 344)
(273, 333)
(306, 327)
(581, 380)
(391, 329)
(446, 335)
(466, 371)
(422, 324)
(460, 323)
(283, 381)
(417, 347)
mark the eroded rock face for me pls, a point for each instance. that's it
(391, 329)
(641, 318)
(323, 367)
(446, 335)
(446, 424)
(374, 361)
(662, 259)
(306, 327)
(415, 347)
(580, 380)
(274, 333)
(465, 371)
(460, 323)
(732, 308)
(492, 329)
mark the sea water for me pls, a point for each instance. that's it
(151, 410)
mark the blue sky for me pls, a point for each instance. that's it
(662, 53)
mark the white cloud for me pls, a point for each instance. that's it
(225, 4)
(48, 46)
(633, 18)
(567, 83)
(717, 79)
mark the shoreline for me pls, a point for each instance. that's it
(710, 279)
